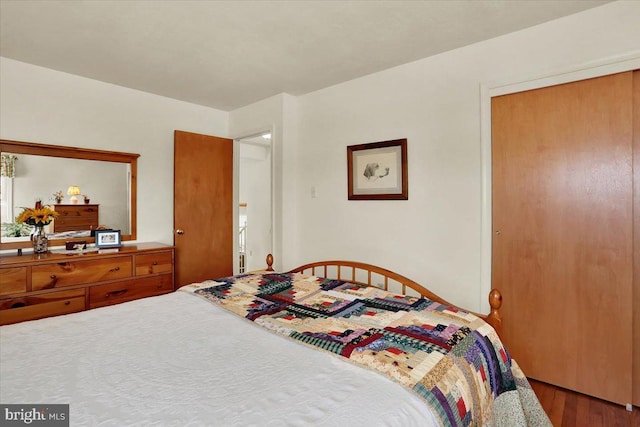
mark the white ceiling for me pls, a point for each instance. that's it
(227, 54)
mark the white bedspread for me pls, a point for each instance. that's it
(173, 361)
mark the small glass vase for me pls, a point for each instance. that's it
(39, 240)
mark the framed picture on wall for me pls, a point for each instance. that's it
(108, 239)
(378, 171)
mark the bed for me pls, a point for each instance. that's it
(274, 349)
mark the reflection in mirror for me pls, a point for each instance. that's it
(30, 172)
(105, 184)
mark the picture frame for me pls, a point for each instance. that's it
(378, 171)
(108, 239)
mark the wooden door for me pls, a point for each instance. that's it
(562, 232)
(636, 238)
(203, 207)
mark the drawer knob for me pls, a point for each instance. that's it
(53, 276)
(115, 269)
(67, 302)
(155, 262)
(115, 293)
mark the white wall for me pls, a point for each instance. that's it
(435, 236)
(46, 106)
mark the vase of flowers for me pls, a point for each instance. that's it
(39, 240)
(38, 217)
(57, 197)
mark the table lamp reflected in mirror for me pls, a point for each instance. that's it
(73, 191)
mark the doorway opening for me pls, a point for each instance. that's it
(254, 209)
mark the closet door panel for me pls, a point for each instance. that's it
(562, 242)
(636, 238)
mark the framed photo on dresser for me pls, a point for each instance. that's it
(108, 239)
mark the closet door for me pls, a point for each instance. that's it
(563, 232)
(636, 238)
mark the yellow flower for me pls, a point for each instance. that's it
(37, 216)
(24, 215)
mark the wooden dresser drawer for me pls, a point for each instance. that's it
(77, 272)
(101, 295)
(13, 280)
(75, 217)
(75, 223)
(58, 282)
(158, 262)
(44, 305)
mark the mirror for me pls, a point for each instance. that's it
(106, 178)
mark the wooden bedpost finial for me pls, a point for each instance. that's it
(269, 262)
(494, 318)
(495, 300)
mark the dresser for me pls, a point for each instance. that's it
(33, 287)
(75, 217)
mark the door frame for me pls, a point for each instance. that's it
(236, 192)
(611, 65)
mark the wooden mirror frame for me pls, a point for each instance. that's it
(18, 147)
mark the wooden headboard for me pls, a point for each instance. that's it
(371, 275)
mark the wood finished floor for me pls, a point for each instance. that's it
(567, 408)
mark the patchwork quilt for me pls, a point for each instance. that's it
(450, 358)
